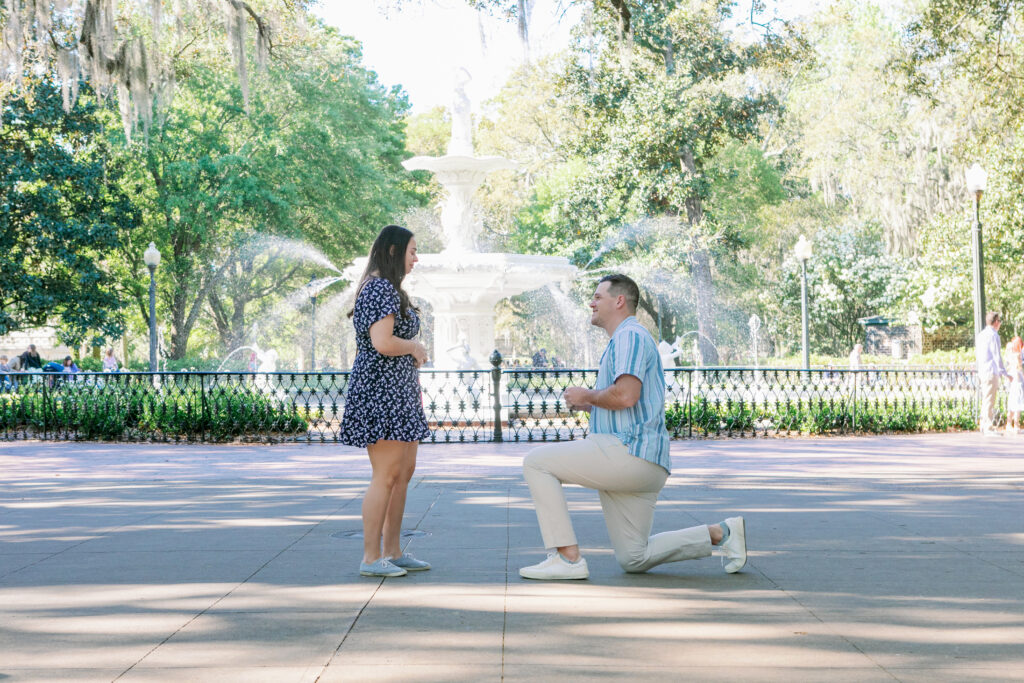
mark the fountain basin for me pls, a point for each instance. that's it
(463, 289)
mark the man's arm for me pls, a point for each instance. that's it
(996, 351)
(624, 393)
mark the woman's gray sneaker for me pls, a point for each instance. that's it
(382, 567)
(409, 563)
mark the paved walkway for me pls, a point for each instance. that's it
(873, 559)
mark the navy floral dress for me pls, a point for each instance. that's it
(384, 399)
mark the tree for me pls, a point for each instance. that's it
(62, 217)
(850, 277)
(653, 121)
(860, 138)
(316, 158)
(129, 47)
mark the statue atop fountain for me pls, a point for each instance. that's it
(462, 283)
(460, 172)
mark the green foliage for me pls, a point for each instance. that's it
(90, 364)
(849, 277)
(821, 416)
(974, 40)
(942, 280)
(61, 218)
(101, 408)
(315, 157)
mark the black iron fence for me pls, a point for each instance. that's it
(473, 406)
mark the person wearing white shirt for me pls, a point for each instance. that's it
(988, 348)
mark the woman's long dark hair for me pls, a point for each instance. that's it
(387, 260)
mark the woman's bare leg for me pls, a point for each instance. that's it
(386, 459)
(392, 531)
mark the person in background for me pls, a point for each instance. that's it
(110, 361)
(988, 352)
(69, 367)
(5, 367)
(1015, 394)
(855, 356)
(31, 359)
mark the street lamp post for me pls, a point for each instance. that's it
(152, 259)
(803, 252)
(312, 333)
(976, 178)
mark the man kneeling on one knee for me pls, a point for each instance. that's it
(625, 457)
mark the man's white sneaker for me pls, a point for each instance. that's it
(556, 568)
(735, 548)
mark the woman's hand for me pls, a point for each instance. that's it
(419, 354)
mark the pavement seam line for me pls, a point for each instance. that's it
(237, 586)
(508, 547)
(366, 604)
(823, 623)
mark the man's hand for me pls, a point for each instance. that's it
(577, 398)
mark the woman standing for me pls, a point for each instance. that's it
(384, 408)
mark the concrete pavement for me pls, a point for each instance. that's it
(872, 559)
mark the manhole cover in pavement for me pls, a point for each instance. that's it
(358, 533)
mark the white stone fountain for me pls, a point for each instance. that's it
(462, 283)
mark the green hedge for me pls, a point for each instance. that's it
(141, 411)
(822, 417)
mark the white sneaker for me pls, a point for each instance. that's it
(556, 568)
(735, 548)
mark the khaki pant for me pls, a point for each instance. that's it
(989, 391)
(628, 487)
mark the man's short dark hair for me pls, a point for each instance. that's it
(620, 284)
(992, 317)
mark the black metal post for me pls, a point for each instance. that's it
(312, 334)
(979, 268)
(689, 403)
(152, 318)
(202, 398)
(496, 395)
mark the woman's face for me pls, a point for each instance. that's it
(67, 362)
(410, 255)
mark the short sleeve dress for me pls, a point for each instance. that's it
(384, 399)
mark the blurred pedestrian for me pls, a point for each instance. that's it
(988, 352)
(31, 358)
(855, 356)
(110, 363)
(1015, 394)
(5, 367)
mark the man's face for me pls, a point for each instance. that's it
(996, 323)
(602, 304)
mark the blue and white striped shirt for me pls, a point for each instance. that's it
(641, 428)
